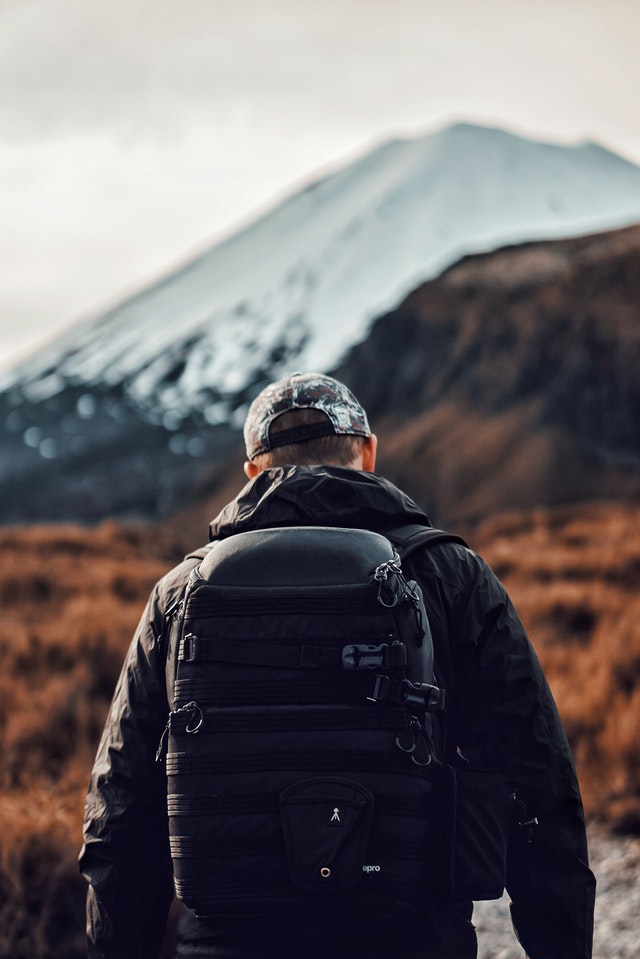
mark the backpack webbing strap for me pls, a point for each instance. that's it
(407, 539)
(185, 804)
(200, 553)
(294, 656)
(412, 536)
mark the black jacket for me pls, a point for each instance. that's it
(499, 708)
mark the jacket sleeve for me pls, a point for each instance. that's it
(510, 720)
(125, 856)
(501, 716)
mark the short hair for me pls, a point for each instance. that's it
(336, 450)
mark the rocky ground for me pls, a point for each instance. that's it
(616, 863)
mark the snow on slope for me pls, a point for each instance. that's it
(298, 287)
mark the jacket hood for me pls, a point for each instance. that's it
(316, 496)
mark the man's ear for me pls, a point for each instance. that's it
(369, 452)
(250, 469)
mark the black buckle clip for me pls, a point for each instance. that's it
(385, 656)
(188, 648)
(362, 656)
(405, 693)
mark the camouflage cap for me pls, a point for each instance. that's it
(345, 416)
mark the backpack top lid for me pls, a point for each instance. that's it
(322, 555)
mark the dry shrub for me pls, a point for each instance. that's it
(41, 891)
(71, 599)
(574, 575)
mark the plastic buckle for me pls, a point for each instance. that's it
(405, 693)
(414, 694)
(422, 694)
(361, 656)
(188, 648)
(382, 689)
(434, 698)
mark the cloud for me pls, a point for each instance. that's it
(134, 132)
(156, 68)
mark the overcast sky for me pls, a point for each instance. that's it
(135, 133)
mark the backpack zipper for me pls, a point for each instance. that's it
(193, 726)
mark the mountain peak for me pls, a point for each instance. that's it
(302, 284)
(296, 289)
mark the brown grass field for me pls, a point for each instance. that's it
(71, 597)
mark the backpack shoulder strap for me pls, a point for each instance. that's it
(173, 618)
(413, 536)
(201, 552)
(407, 539)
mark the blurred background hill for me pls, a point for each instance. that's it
(511, 380)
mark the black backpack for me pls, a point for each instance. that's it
(307, 784)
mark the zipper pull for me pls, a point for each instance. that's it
(161, 751)
(418, 747)
(421, 741)
(170, 616)
(388, 576)
(193, 726)
(196, 720)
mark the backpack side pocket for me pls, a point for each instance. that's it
(484, 811)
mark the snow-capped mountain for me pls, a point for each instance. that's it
(297, 288)
(135, 412)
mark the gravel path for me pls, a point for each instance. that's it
(616, 863)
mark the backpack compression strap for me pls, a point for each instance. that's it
(407, 539)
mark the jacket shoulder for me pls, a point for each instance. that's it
(169, 589)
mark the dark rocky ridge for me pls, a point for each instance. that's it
(88, 453)
(512, 379)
